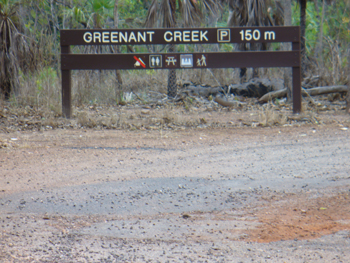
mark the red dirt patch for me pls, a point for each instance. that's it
(302, 218)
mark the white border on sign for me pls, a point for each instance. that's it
(228, 34)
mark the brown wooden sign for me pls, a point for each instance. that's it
(180, 60)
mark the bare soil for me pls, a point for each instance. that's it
(222, 188)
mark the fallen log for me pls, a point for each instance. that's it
(326, 90)
(304, 93)
(202, 91)
(273, 95)
(227, 103)
(255, 88)
(312, 92)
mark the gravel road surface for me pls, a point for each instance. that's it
(221, 195)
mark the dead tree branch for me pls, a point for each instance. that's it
(312, 92)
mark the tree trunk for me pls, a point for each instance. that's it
(287, 8)
(119, 81)
(302, 36)
(348, 94)
(54, 20)
(172, 88)
(319, 46)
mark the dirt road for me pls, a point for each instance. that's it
(213, 195)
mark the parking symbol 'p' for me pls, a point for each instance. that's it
(224, 35)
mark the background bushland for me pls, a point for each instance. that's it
(30, 52)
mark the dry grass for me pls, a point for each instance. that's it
(40, 90)
(271, 115)
(43, 89)
(38, 104)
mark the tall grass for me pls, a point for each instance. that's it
(40, 89)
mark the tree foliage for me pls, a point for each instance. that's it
(32, 27)
(255, 13)
(327, 37)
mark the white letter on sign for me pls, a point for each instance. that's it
(203, 36)
(223, 35)
(186, 36)
(150, 33)
(87, 37)
(97, 36)
(141, 36)
(114, 37)
(123, 37)
(105, 37)
(132, 37)
(195, 36)
(177, 35)
(168, 39)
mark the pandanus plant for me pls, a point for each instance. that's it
(13, 47)
(254, 13)
(162, 13)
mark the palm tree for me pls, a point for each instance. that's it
(13, 47)
(91, 15)
(254, 13)
(162, 13)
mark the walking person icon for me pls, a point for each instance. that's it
(202, 62)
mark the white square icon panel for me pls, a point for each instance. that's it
(155, 61)
(186, 61)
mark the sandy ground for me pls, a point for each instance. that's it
(248, 194)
